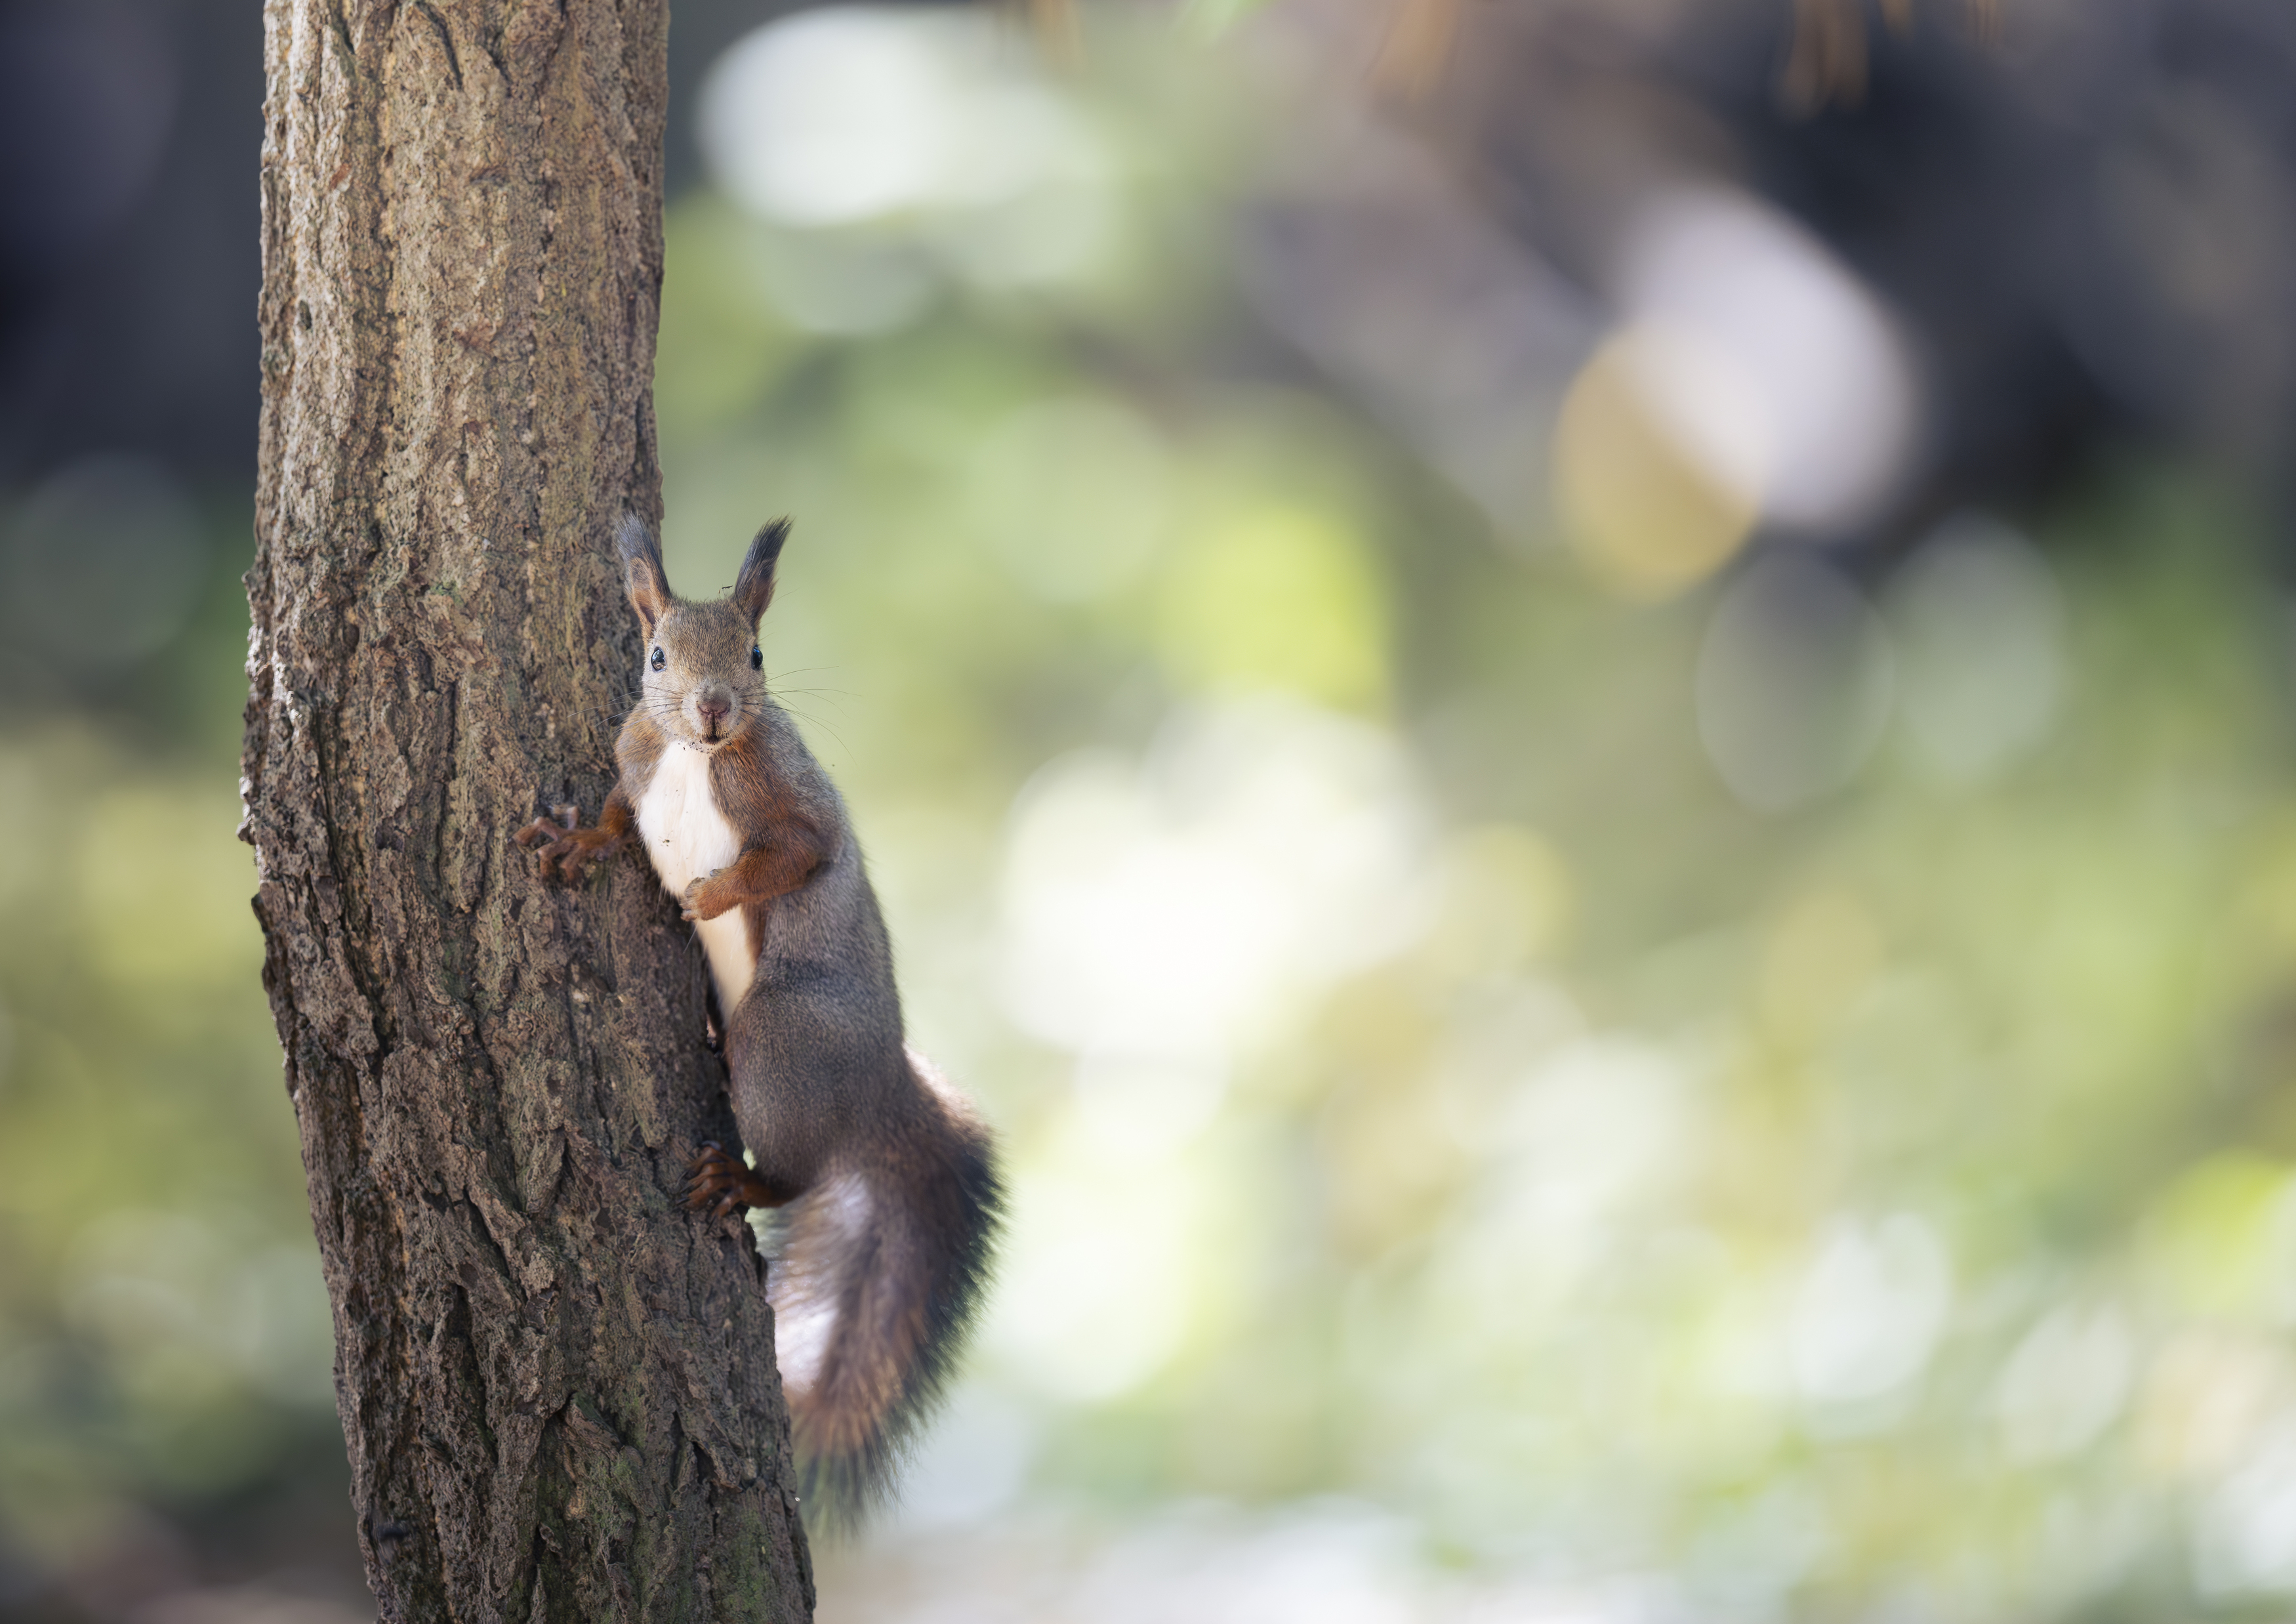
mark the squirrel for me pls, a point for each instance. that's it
(889, 1178)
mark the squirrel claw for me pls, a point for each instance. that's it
(556, 848)
(717, 1182)
(566, 846)
(533, 834)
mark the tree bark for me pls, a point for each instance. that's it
(557, 1388)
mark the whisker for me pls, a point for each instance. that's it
(817, 722)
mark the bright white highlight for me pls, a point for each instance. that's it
(1870, 1311)
(2066, 1383)
(1588, 1147)
(2244, 1535)
(1599, 1124)
(830, 117)
(1102, 1272)
(1170, 908)
(849, 114)
(1771, 364)
(1161, 916)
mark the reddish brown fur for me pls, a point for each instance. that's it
(883, 1270)
(791, 841)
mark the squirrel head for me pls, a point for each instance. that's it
(704, 673)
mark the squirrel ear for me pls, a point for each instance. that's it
(641, 574)
(753, 588)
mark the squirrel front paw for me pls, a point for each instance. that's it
(703, 899)
(565, 848)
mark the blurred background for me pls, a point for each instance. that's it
(1577, 711)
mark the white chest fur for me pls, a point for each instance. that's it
(687, 838)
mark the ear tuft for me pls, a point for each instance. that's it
(642, 572)
(753, 588)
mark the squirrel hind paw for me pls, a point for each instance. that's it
(718, 1184)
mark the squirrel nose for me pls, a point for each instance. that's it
(713, 709)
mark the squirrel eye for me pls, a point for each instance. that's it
(660, 659)
(757, 659)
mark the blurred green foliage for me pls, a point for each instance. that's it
(1887, 1198)
(163, 1330)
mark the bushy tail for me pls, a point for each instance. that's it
(877, 1280)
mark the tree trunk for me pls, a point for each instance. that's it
(558, 1389)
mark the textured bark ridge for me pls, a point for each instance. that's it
(558, 1390)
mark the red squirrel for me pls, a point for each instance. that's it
(889, 1179)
